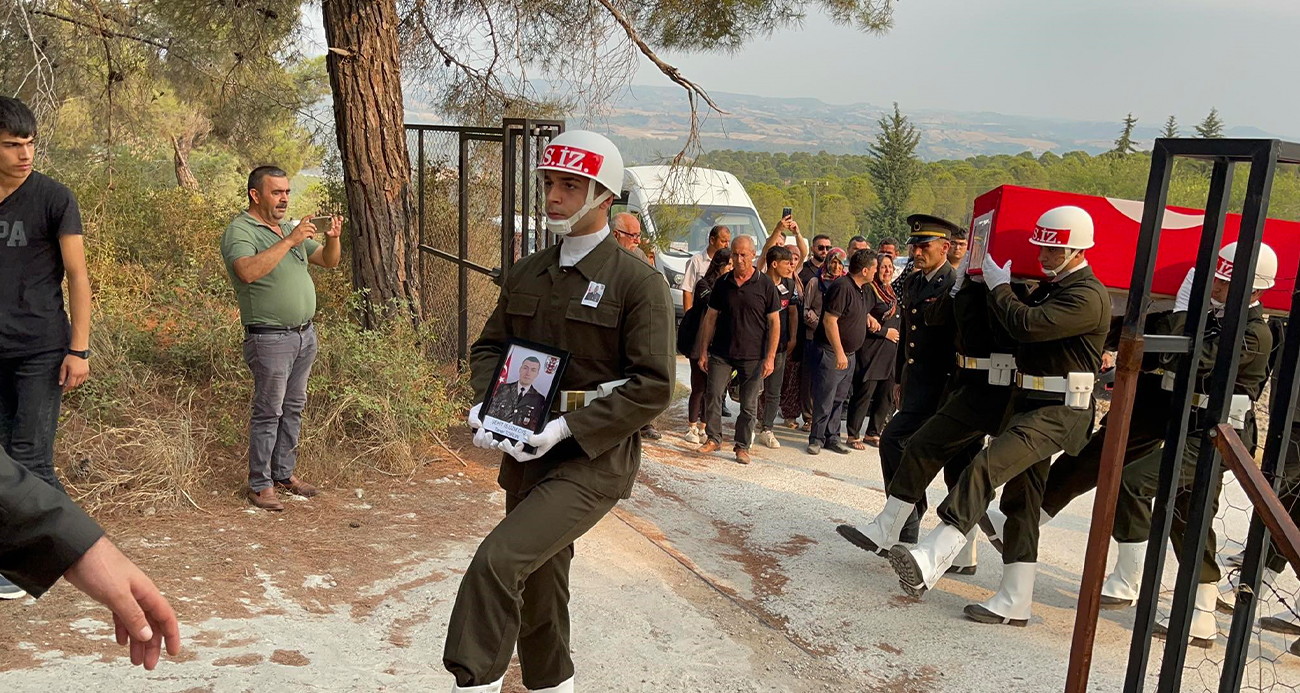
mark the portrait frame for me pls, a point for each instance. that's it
(510, 415)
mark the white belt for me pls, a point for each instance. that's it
(999, 366)
(577, 399)
(1238, 408)
(1077, 387)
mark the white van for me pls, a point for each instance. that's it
(682, 206)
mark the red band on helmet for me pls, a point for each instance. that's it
(1224, 268)
(1045, 235)
(572, 159)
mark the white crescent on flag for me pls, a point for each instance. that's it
(1173, 220)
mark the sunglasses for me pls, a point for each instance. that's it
(821, 247)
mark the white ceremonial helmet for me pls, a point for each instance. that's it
(589, 155)
(1066, 227)
(1265, 266)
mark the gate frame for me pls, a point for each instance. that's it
(1264, 155)
(514, 134)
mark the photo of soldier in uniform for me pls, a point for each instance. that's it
(519, 403)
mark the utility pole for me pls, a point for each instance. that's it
(814, 185)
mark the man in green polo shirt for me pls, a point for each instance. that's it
(267, 260)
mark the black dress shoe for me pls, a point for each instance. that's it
(860, 540)
(649, 433)
(961, 569)
(979, 614)
(837, 446)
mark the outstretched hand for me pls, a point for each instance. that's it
(141, 615)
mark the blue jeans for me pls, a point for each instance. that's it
(281, 363)
(30, 396)
(830, 390)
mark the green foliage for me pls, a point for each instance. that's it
(949, 188)
(1211, 127)
(1171, 128)
(894, 169)
(1125, 145)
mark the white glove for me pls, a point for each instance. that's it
(482, 437)
(1184, 296)
(995, 276)
(555, 431)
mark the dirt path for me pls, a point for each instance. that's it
(713, 577)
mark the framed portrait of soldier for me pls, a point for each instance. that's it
(978, 243)
(518, 404)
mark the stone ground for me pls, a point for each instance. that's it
(713, 577)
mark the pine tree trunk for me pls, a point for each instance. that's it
(365, 77)
(184, 176)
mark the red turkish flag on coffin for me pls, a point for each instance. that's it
(1005, 218)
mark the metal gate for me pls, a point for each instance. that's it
(478, 211)
(1219, 442)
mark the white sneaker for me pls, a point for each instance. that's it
(9, 590)
(768, 439)
(692, 436)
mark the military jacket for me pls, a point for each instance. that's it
(628, 333)
(524, 411)
(42, 532)
(925, 346)
(1060, 327)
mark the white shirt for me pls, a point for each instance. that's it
(574, 248)
(695, 269)
(1068, 272)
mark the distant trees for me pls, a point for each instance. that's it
(1211, 127)
(894, 169)
(1171, 128)
(1125, 145)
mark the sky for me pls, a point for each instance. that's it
(1093, 60)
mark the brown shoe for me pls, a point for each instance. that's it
(297, 487)
(709, 447)
(265, 499)
(742, 456)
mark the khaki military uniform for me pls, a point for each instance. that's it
(951, 438)
(924, 363)
(42, 532)
(1140, 483)
(517, 585)
(1061, 328)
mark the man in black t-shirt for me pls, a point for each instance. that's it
(740, 331)
(41, 355)
(820, 250)
(780, 270)
(840, 333)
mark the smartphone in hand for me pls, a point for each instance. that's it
(787, 211)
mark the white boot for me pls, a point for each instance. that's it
(566, 687)
(920, 568)
(1120, 590)
(966, 561)
(494, 687)
(883, 531)
(1228, 598)
(1012, 602)
(1204, 629)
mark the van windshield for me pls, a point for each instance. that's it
(687, 226)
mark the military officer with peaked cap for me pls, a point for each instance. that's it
(613, 314)
(925, 357)
(1061, 332)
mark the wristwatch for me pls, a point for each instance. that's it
(83, 354)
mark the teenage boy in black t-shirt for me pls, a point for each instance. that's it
(41, 356)
(840, 333)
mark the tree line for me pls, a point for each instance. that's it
(871, 194)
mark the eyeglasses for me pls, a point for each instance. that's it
(625, 233)
(821, 247)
